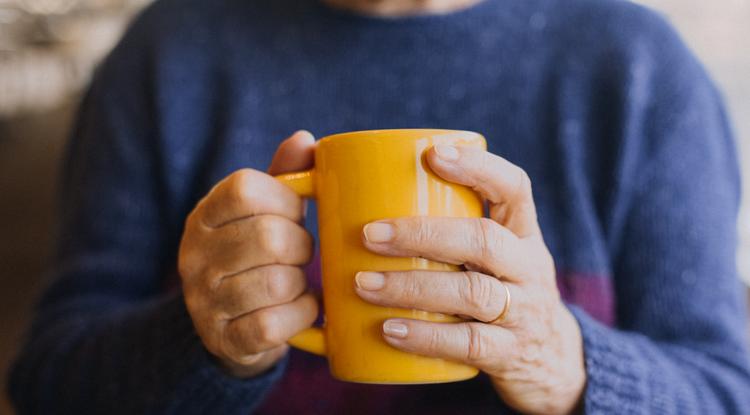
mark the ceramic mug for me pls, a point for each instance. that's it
(360, 177)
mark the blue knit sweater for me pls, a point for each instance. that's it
(624, 136)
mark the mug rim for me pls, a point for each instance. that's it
(337, 136)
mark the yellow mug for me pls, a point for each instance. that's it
(360, 177)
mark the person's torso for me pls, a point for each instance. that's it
(500, 69)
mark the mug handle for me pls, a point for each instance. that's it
(312, 339)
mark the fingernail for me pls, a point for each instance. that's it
(369, 281)
(446, 152)
(395, 329)
(378, 232)
(308, 136)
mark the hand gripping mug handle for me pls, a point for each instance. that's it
(312, 339)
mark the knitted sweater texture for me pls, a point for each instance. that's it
(624, 137)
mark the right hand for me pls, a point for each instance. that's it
(240, 263)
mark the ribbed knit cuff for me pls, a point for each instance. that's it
(616, 376)
(203, 387)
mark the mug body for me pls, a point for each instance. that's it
(361, 177)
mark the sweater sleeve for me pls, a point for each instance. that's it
(105, 337)
(680, 345)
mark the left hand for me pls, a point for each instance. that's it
(534, 354)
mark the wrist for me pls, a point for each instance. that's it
(574, 386)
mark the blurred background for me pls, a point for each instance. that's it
(48, 49)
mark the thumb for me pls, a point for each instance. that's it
(294, 154)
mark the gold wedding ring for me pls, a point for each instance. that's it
(506, 307)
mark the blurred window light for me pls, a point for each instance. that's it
(48, 6)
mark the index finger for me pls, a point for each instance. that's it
(506, 186)
(246, 193)
(477, 242)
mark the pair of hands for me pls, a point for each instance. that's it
(243, 247)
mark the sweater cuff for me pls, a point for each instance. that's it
(615, 373)
(203, 382)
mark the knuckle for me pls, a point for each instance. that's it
(185, 264)
(240, 185)
(478, 294)
(435, 341)
(214, 317)
(477, 348)
(524, 190)
(233, 293)
(195, 264)
(211, 277)
(195, 219)
(490, 239)
(189, 258)
(409, 289)
(419, 230)
(267, 331)
(278, 284)
(191, 219)
(270, 235)
(482, 181)
(194, 302)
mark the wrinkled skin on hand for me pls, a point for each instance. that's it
(534, 354)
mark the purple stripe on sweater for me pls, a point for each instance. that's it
(593, 293)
